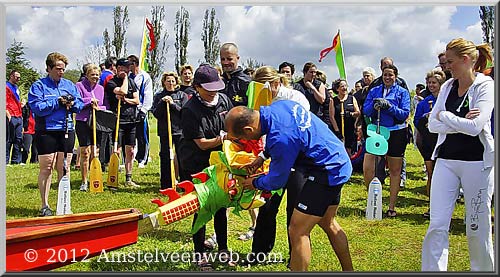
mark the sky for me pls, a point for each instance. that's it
(412, 35)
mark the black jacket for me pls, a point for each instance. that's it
(128, 112)
(159, 110)
(316, 107)
(189, 90)
(236, 86)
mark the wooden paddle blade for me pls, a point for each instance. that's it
(114, 162)
(96, 176)
(64, 197)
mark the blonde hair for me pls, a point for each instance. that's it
(320, 75)
(438, 74)
(219, 69)
(480, 54)
(184, 67)
(269, 74)
(168, 74)
(89, 67)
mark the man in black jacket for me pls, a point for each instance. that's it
(234, 78)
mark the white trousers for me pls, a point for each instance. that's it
(477, 184)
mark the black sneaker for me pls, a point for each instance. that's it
(46, 211)
(427, 215)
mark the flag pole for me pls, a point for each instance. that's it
(141, 57)
(343, 59)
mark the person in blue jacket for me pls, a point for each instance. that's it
(435, 78)
(297, 138)
(393, 101)
(53, 101)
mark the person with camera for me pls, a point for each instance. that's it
(53, 100)
(122, 87)
(390, 103)
(92, 96)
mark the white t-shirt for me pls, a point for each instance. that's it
(285, 93)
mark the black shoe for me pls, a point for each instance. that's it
(46, 211)
(427, 215)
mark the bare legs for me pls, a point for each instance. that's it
(395, 164)
(300, 228)
(47, 163)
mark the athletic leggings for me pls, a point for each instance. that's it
(477, 184)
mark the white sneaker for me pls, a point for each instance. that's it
(131, 184)
(22, 164)
(402, 184)
(248, 235)
(84, 187)
(141, 165)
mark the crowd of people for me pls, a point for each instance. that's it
(327, 126)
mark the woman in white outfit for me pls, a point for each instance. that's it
(464, 154)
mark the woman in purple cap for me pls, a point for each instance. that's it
(202, 120)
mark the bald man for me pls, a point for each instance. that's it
(234, 78)
(297, 138)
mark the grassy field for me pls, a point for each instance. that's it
(392, 244)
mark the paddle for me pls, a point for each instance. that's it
(376, 145)
(95, 165)
(64, 188)
(114, 160)
(342, 118)
(171, 148)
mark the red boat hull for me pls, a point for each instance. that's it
(46, 243)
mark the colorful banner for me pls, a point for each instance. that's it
(339, 55)
(147, 45)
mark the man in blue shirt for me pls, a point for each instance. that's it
(297, 138)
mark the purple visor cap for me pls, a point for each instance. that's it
(208, 78)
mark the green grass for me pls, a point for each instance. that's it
(386, 245)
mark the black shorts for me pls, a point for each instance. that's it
(85, 134)
(397, 143)
(316, 197)
(426, 149)
(49, 142)
(126, 134)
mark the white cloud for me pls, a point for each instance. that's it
(412, 35)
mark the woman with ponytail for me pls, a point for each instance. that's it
(464, 155)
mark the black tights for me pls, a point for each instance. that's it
(220, 226)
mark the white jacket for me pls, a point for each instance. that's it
(481, 96)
